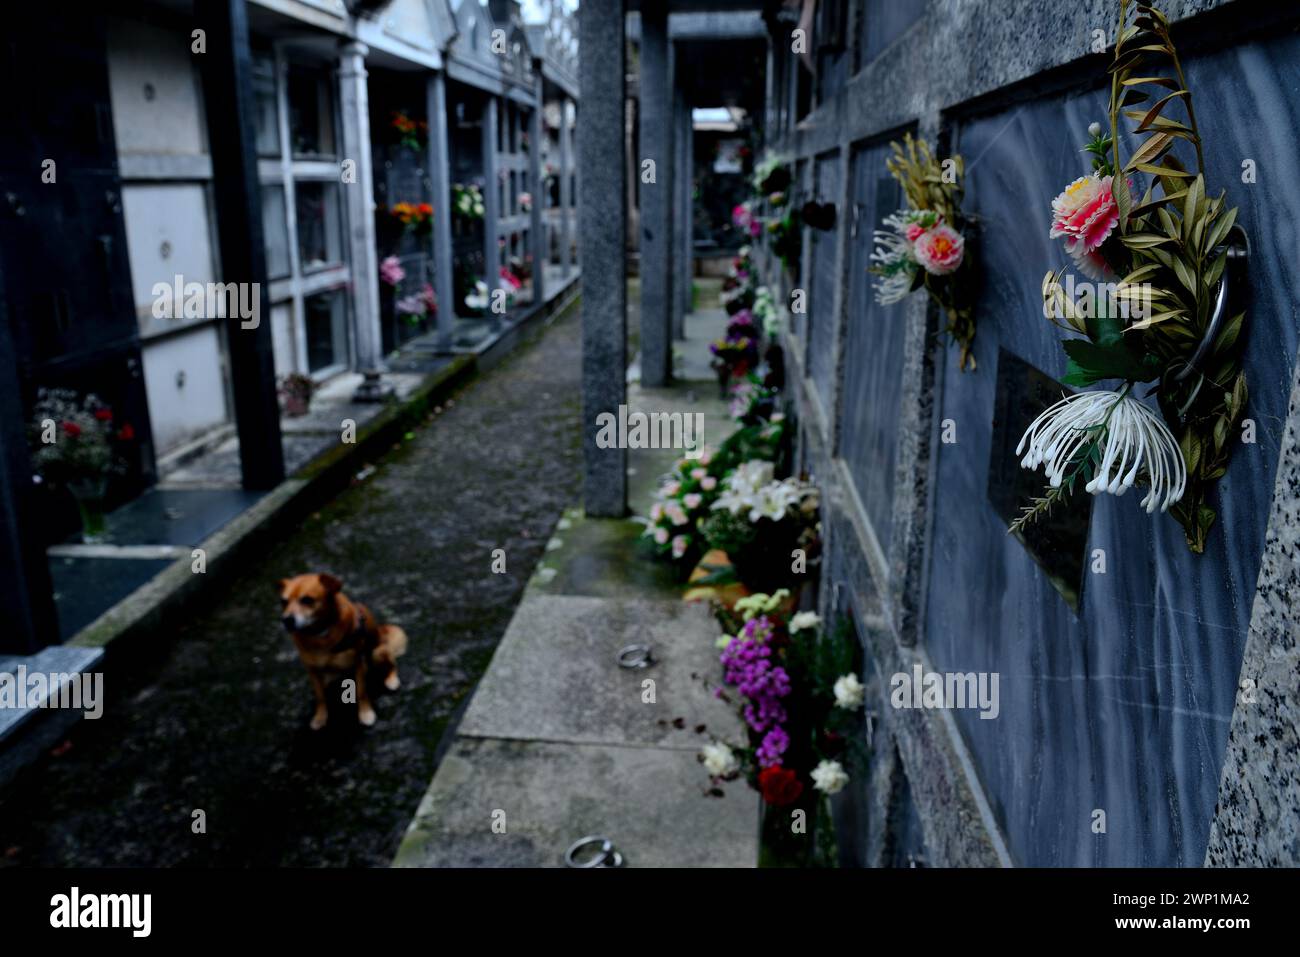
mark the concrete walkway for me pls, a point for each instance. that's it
(559, 742)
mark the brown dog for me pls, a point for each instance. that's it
(337, 636)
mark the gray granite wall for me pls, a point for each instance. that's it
(1126, 706)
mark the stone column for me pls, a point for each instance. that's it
(491, 206)
(681, 181)
(237, 198)
(359, 198)
(537, 227)
(602, 218)
(438, 160)
(656, 143)
(566, 189)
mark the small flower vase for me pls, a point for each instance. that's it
(296, 405)
(90, 494)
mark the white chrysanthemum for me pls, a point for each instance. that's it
(805, 620)
(893, 255)
(829, 777)
(849, 692)
(1132, 439)
(718, 759)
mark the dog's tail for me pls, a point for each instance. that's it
(392, 644)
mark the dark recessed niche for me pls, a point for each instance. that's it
(1059, 541)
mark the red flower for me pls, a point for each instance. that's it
(72, 429)
(779, 786)
(126, 433)
(104, 414)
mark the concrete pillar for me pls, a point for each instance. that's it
(359, 197)
(677, 254)
(31, 619)
(237, 198)
(602, 219)
(656, 143)
(683, 244)
(438, 160)
(491, 194)
(566, 188)
(537, 227)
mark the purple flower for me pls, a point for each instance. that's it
(773, 747)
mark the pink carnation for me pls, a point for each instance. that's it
(940, 250)
(1085, 214)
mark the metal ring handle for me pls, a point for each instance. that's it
(1238, 248)
(635, 656)
(608, 856)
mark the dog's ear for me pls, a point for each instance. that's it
(280, 586)
(331, 583)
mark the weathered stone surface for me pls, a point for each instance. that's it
(648, 801)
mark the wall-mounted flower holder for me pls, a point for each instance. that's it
(925, 245)
(1162, 315)
(819, 216)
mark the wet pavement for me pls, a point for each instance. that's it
(217, 720)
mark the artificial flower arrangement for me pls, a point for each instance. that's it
(753, 401)
(798, 692)
(410, 133)
(476, 300)
(525, 202)
(771, 175)
(759, 521)
(738, 287)
(681, 503)
(296, 389)
(786, 238)
(419, 306)
(391, 272)
(467, 201)
(767, 312)
(76, 446)
(743, 218)
(1165, 251)
(415, 217)
(75, 441)
(925, 244)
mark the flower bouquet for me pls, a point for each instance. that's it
(467, 202)
(925, 244)
(681, 503)
(1160, 315)
(410, 133)
(753, 402)
(743, 218)
(798, 692)
(771, 175)
(414, 217)
(759, 521)
(419, 306)
(76, 446)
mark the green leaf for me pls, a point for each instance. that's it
(1220, 230)
(1103, 361)
(1144, 240)
(1123, 200)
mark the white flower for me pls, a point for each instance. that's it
(698, 474)
(749, 477)
(676, 515)
(805, 620)
(692, 500)
(708, 483)
(1131, 438)
(770, 502)
(719, 760)
(829, 777)
(679, 546)
(1094, 129)
(849, 692)
(661, 536)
